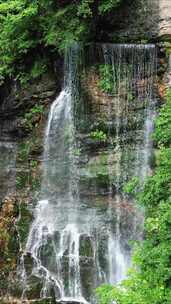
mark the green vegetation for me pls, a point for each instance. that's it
(38, 68)
(106, 82)
(29, 30)
(29, 177)
(24, 222)
(167, 46)
(132, 186)
(109, 81)
(8, 241)
(149, 280)
(23, 151)
(77, 152)
(33, 117)
(163, 124)
(98, 135)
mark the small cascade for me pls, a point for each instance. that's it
(116, 259)
(80, 235)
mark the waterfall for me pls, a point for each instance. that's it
(75, 244)
(135, 64)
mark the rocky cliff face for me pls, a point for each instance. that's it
(133, 21)
(23, 112)
(164, 27)
(17, 100)
(140, 20)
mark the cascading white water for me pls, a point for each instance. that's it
(75, 244)
(59, 193)
(114, 239)
(129, 69)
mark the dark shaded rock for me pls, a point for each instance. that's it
(56, 238)
(48, 255)
(28, 263)
(136, 21)
(102, 252)
(65, 271)
(7, 168)
(87, 273)
(34, 288)
(17, 100)
(43, 301)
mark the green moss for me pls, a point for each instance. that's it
(22, 180)
(34, 288)
(98, 168)
(23, 151)
(28, 176)
(24, 223)
(86, 249)
(9, 245)
(167, 47)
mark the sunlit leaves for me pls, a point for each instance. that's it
(84, 9)
(27, 25)
(107, 5)
(163, 123)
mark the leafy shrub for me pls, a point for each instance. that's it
(131, 186)
(33, 116)
(28, 26)
(98, 135)
(107, 5)
(106, 83)
(163, 123)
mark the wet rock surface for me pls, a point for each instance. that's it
(97, 186)
(17, 100)
(7, 167)
(79, 237)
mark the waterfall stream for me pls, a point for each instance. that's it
(79, 240)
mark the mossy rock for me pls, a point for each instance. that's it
(86, 249)
(15, 288)
(102, 253)
(65, 272)
(48, 255)
(28, 263)
(24, 223)
(87, 280)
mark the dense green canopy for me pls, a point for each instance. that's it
(27, 25)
